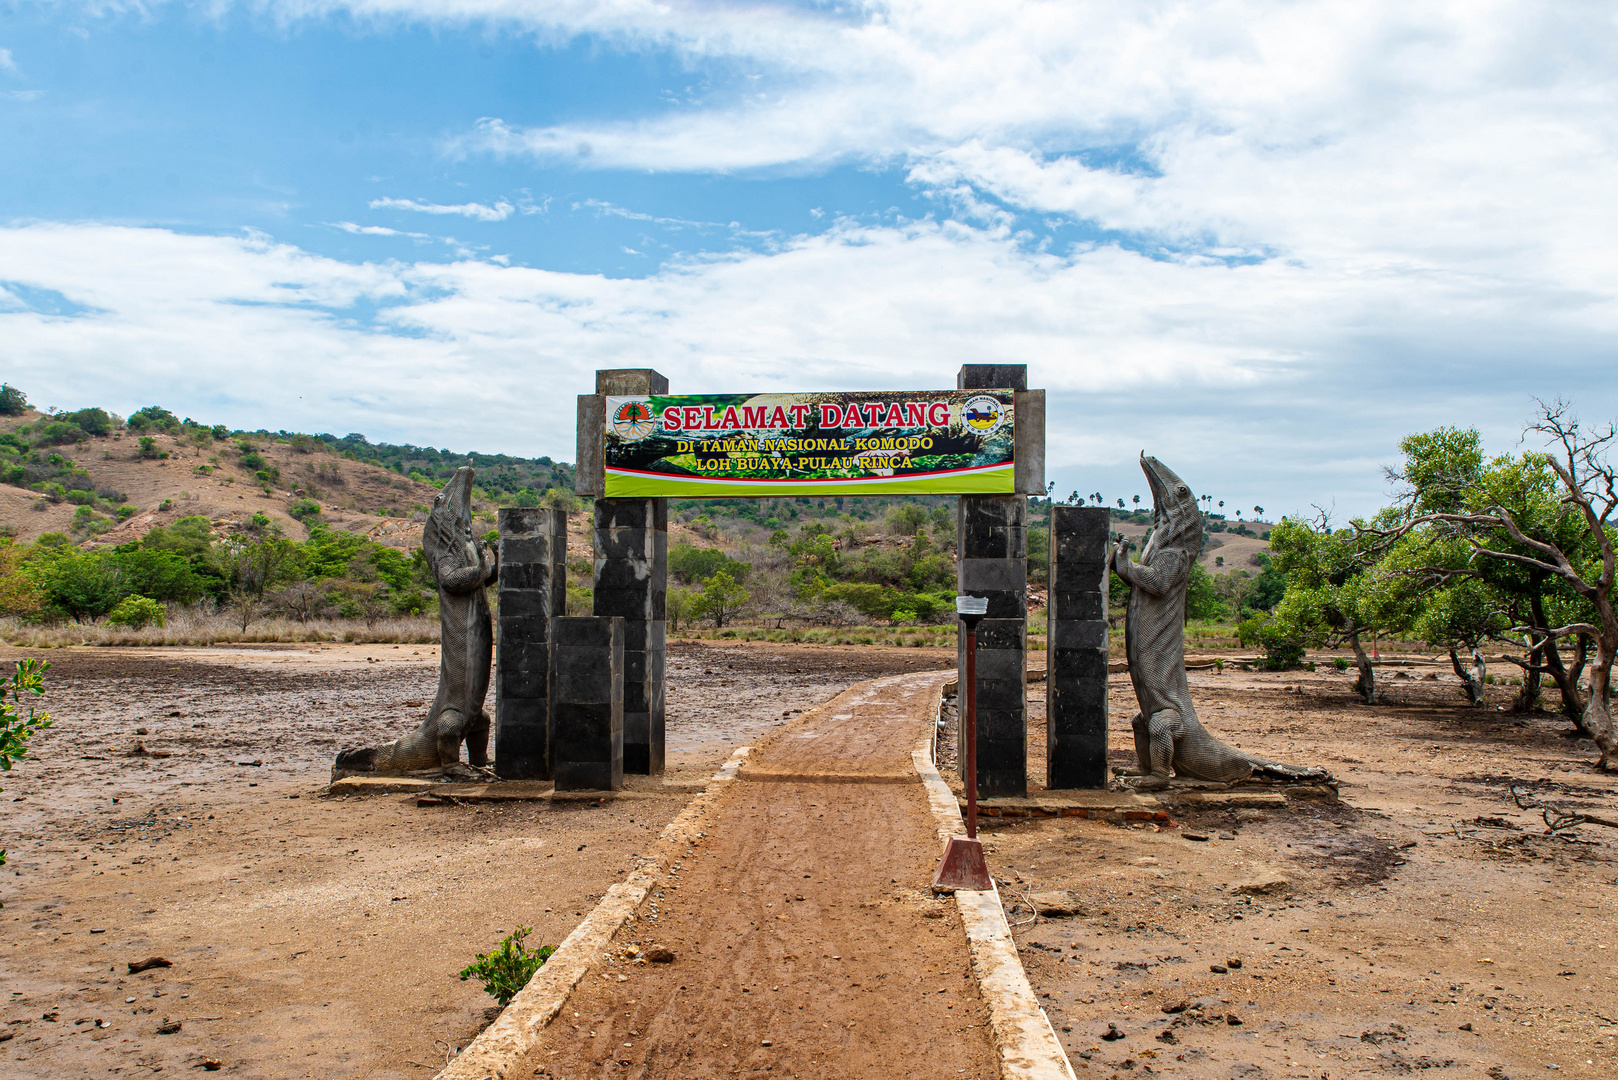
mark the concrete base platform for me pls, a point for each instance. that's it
(510, 790)
(1137, 806)
(1103, 805)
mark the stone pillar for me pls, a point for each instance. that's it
(587, 703)
(533, 588)
(992, 561)
(631, 582)
(1076, 656)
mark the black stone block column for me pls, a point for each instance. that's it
(631, 582)
(1076, 679)
(587, 703)
(992, 549)
(533, 588)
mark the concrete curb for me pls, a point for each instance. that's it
(1023, 1036)
(495, 1052)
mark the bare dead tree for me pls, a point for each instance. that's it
(1590, 487)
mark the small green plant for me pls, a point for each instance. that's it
(1340, 663)
(508, 968)
(166, 504)
(148, 447)
(137, 612)
(303, 510)
(1282, 650)
(15, 728)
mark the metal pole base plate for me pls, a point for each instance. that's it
(962, 866)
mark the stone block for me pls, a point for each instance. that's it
(628, 382)
(989, 575)
(525, 603)
(999, 665)
(1078, 604)
(585, 632)
(992, 377)
(1076, 694)
(512, 682)
(523, 550)
(582, 675)
(1076, 634)
(532, 588)
(1000, 723)
(1028, 452)
(515, 576)
(590, 427)
(1002, 634)
(1078, 663)
(587, 702)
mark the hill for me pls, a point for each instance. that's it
(105, 483)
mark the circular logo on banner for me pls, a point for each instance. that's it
(983, 415)
(633, 420)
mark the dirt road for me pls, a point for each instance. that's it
(310, 936)
(805, 941)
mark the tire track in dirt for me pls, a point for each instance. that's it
(806, 943)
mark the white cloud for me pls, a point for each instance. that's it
(476, 211)
(6, 61)
(1273, 371)
(1334, 223)
(376, 230)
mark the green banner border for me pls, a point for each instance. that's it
(995, 480)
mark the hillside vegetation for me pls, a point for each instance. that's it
(135, 522)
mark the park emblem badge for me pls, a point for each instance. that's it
(983, 414)
(633, 420)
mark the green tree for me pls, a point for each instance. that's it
(721, 596)
(161, 575)
(1202, 599)
(13, 402)
(84, 586)
(1332, 597)
(1445, 472)
(692, 564)
(677, 604)
(905, 518)
(251, 567)
(91, 421)
(1585, 562)
(152, 418)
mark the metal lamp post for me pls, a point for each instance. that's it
(963, 866)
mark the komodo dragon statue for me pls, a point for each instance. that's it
(1169, 739)
(461, 566)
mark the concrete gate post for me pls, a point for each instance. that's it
(631, 582)
(587, 703)
(533, 589)
(1076, 644)
(992, 549)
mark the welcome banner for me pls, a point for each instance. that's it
(914, 442)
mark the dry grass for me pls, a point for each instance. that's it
(902, 636)
(209, 628)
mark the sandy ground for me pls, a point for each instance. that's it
(805, 939)
(1431, 927)
(310, 936)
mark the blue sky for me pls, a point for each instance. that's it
(1260, 240)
